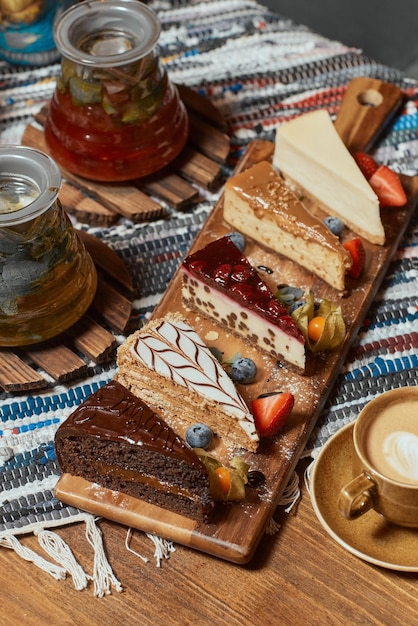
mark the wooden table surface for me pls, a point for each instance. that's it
(298, 576)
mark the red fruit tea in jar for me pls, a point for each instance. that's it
(115, 115)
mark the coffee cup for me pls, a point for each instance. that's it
(385, 466)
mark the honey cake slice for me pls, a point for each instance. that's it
(259, 204)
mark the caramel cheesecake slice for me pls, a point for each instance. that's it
(168, 365)
(115, 440)
(221, 283)
(258, 203)
(310, 153)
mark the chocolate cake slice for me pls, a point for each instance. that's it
(116, 440)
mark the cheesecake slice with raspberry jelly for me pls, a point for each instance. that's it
(220, 282)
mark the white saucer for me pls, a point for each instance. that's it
(370, 537)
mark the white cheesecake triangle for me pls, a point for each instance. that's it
(311, 155)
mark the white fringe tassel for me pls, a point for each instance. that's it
(289, 499)
(291, 494)
(128, 547)
(272, 527)
(163, 548)
(307, 476)
(27, 554)
(103, 575)
(56, 548)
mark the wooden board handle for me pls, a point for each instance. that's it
(367, 107)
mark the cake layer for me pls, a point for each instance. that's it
(259, 204)
(116, 440)
(220, 282)
(170, 367)
(310, 153)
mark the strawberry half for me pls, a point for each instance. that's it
(366, 163)
(358, 254)
(388, 187)
(271, 411)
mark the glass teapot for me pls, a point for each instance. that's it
(47, 278)
(114, 116)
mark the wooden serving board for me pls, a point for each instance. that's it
(236, 529)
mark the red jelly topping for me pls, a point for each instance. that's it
(222, 265)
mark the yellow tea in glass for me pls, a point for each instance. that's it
(47, 278)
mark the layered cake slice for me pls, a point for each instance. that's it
(221, 283)
(116, 440)
(168, 365)
(310, 153)
(258, 203)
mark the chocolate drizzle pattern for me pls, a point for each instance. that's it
(176, 352)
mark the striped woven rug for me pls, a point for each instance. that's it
(260, 70)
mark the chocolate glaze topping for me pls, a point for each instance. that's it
(113, 413)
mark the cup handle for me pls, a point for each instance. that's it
(357, 496)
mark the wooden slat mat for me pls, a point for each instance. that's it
(178, 186)
(92, 338)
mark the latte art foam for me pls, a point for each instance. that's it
(391, 438)
(401, 452)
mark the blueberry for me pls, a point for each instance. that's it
(199, 436)
(238, 240)
(296, 305)
(255, 478)
(243, 371)
(335, 225)
(287, 294)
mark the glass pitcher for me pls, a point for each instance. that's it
(47, 278)
(114, 116)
